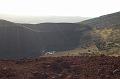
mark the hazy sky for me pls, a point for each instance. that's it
(83, 8)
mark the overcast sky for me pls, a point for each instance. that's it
(83, 8)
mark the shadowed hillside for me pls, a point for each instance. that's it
(17, 40)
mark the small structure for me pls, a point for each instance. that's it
(50, 53)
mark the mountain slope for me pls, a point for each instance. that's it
(104, 21)
(18, 40)
(15, 40)
(106, 32)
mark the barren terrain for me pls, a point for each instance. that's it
(66, 67)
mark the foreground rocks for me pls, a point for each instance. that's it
(77, 67)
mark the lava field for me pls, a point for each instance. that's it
(65, 67)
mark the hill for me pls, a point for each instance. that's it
(15, 40)
(104, 21)
(106, 32)
(26, 40)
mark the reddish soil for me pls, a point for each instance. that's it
(77, 67)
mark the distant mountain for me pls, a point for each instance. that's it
(43, 19)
